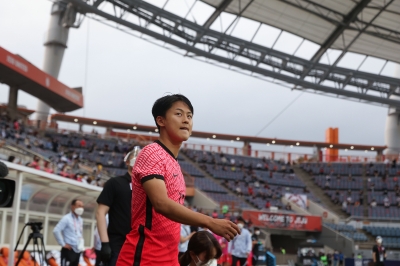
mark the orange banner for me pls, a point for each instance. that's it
(285, 221)
(23, 67)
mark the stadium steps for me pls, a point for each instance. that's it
(207, 175)
(365, 195)
(318, 192)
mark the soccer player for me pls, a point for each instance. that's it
(158, 192)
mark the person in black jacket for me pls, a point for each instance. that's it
(379, 252)
(115, 199)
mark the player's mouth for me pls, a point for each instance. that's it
(185, 128)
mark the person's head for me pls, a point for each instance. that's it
(379, 240)
(77, 207)
(203, 249)
(240, 222)
(173, 116)
(256, 231)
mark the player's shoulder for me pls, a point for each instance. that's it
(152, 151)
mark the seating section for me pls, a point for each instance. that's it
(349, 231)
(257, 180)
(333, 168)
(390, 235)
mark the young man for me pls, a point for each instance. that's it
(241, 246)
(158, 192)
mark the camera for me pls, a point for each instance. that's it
(7, 188)
(35, 226)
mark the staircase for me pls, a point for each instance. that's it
(207, 175)
(318, 192)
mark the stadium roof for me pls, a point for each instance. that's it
(18, 72)
(370, 27)
(210, 135)
(338, 48)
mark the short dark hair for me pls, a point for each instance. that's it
(73, 202)
(162, 105)
(240, 219)
(202, 241)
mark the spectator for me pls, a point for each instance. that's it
(241, 246)
(186, 234)
(255, 238)
(267, 204)
(344, 205)
(288, 207)
(386, 202)
(203, 249)
(373, 203)
(336, 258)
(68, 233)
(214, 214)
(82, 143)
(361, 196)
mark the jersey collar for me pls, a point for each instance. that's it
(166, 149)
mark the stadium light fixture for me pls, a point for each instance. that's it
(345, 149)
(208, 138)
(232, 140)
(273, 142)
(214, 136)
(128, 130)
(156, 130)
(135, 127)
(150, 132)
(76, 120)
(365, 151)
(352, 147)
(297, 144)
(372, 148)
(94, 122)
(291, 146)
(331, 146)
(237, 138)
(267, 144)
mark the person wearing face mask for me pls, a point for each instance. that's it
(115, 200)
(256, 245)
(68, 233)
(379, 252)
(203, 250)
(241, 245)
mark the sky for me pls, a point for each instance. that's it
(123, 75)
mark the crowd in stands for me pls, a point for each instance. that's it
(259, 181)
(344, 184)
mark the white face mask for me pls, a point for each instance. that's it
(212, 262)
(240, 225)
(257, 232)
(78, 211)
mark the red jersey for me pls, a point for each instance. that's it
(154, 238)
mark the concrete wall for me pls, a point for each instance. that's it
(336, 241)
(201, 200)
(296, 208)
(318, 210)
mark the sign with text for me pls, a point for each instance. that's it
(286, 221)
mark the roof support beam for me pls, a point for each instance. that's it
(216, 13)
(340, 29)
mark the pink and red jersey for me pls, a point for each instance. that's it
(154, 238)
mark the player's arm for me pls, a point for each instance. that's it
(101, 213)
(186, 238)
(374, 256)
(157, 193)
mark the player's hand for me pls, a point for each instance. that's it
(67, 246)
(105, 252)
(224, 228)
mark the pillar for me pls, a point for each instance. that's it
(392, 129)
(55, 45)
(246, 148)
(12, 107)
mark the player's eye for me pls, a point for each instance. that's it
(178, 114)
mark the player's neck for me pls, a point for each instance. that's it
(172, 146)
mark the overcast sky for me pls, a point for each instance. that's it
(127, 74)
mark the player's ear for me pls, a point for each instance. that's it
(160, 121)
